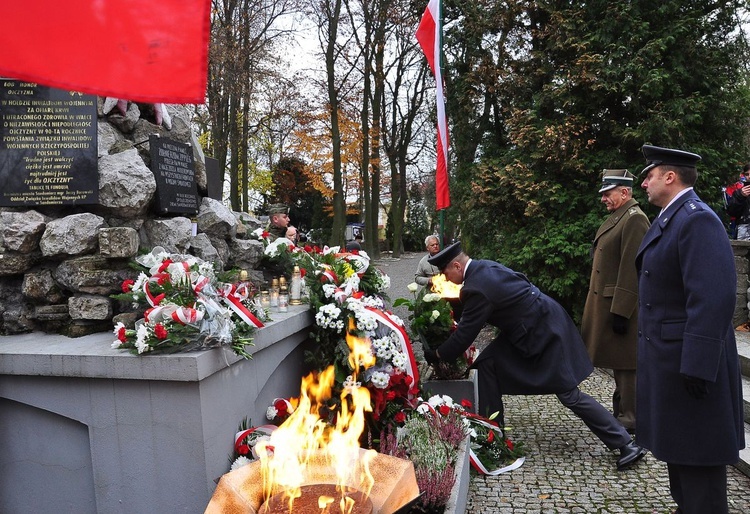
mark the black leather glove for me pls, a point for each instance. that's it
(430, 355)
(696, 387)
(619, 324)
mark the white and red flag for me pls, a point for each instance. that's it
(153, 51)
(429, 35)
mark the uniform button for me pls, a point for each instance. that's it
(648, 339)
(646, 273)
(640, 333)
(648, 305)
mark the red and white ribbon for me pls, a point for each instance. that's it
(240, 436)
(403, 339)
(233, 297)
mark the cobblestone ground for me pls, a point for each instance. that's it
(567, 469)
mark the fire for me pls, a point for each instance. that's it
(444, 287)
(305, 437)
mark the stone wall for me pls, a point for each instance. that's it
(741, 251)
(58, 265)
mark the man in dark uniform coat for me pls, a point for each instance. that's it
(538, 349)
(610, 316)
(689, 390)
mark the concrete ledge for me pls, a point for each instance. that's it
(86, 428)
(91, 356)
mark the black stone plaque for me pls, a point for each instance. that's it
(213, 178)
(48, 146)
(174, 170)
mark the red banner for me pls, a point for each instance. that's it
(153, 51)
(428, 35)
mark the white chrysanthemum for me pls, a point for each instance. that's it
(351, 284)
(329, 290)
(339, 326)
(118, 326)
(413, 287)
(373, 301)
(365, 321)
(385, 281)
(423, 408)
(438, 400)
(177, 272)
(354, 304)
(138, 285)
(382, 347)
(271, 413)
(398, 321)
(140, 339)
(380, 379)
(399, 360)
(115, 344)
(239, 462)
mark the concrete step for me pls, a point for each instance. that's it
(743, 348)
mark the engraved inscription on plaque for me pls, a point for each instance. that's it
(174, 170)
(48, 146)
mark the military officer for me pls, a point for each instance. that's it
(278, 220)
(538, 350)
(689, 392)
(610, 315)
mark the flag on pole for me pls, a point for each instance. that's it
(429, 35)
(153, 51)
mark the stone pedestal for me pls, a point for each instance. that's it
(465, 389)
(85, 428)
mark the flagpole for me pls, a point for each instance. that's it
(442, 68)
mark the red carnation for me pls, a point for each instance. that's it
(466, 404)
(491, 436)
(281, 408)
(160, 332)
(509, 444)
(444, 410)
(390, 395)
(308, 248)
(400, 417)
(164, 265)
(265, 234)
(127, 285)
(302, 272)
(121, 335)
(243, 449)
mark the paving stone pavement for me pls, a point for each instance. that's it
(567, 469)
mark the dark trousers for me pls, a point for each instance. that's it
(599, 420)
(699, 489)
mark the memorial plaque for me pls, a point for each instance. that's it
(213, 178)
(174, 170)
(48, 146)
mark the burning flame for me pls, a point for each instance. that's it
(444, 287)
(305, 436)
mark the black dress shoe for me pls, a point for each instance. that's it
(629, 455)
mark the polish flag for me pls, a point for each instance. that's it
(153, 51)
(428, 35)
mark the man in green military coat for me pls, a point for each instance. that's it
(278, 220)
(610, 316)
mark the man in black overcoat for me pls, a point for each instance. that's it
(538, 350)
(689, 383)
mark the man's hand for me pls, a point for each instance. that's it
(430, 355)
(746, 190)
(696, 387)
(619, 324)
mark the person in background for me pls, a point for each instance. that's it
(538, 349)
(738, 207)
(291, 234)
(610, 316)
(425, 270)
(278, 220)
(690, 412)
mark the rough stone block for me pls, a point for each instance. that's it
(119, 242)
(90, 307)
